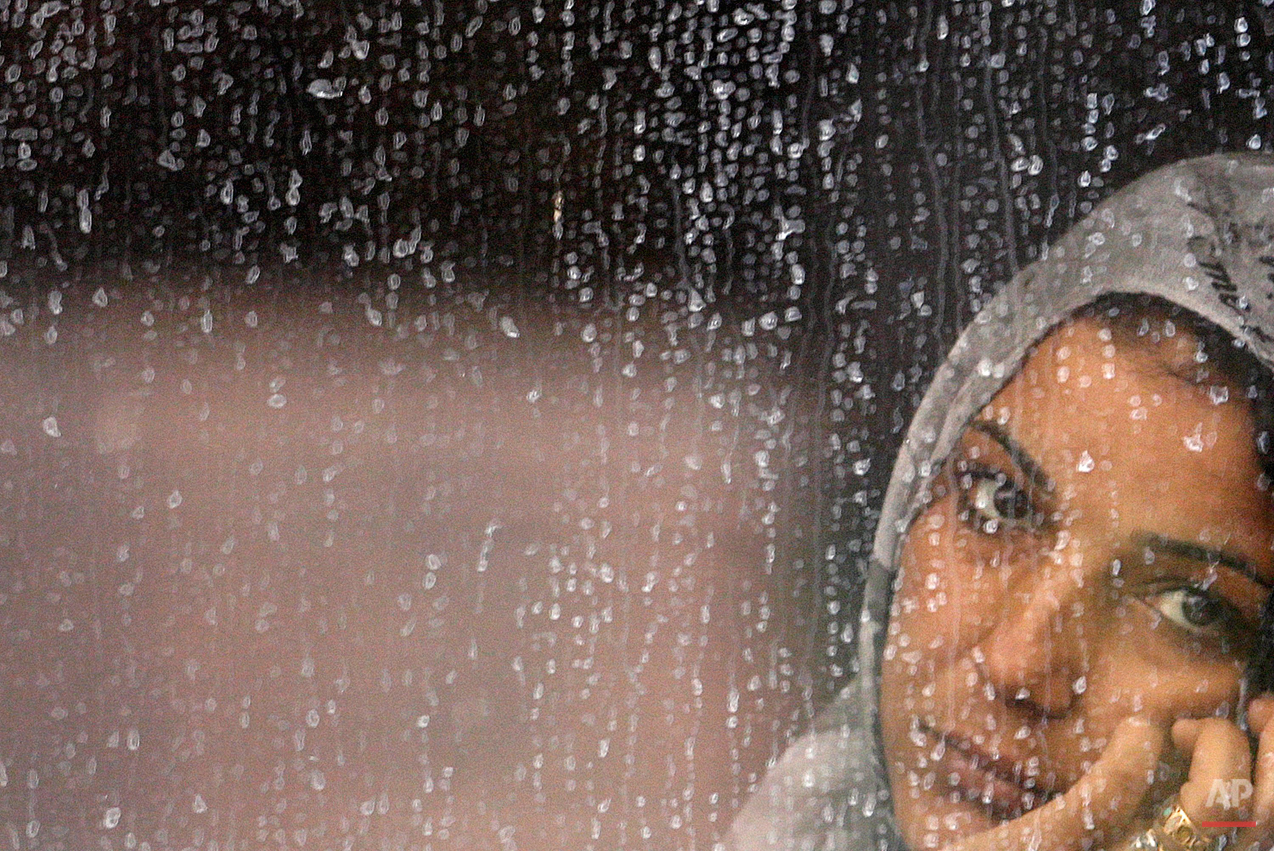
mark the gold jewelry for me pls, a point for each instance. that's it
(1172, 830)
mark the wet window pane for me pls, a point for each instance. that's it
(471, 424)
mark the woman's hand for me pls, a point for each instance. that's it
(1102, 809)
(1096, 810)
(1220, 751)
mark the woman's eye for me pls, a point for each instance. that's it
(1192, 609)
(992, 500)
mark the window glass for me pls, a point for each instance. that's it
(467, 424)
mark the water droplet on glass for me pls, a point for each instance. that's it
(170, 162)
(326, 89)
(86, 213)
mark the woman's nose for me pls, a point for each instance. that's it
(1034, 655)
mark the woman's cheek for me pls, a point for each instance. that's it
(951, 576)
(1145, 674)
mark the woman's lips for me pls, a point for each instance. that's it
(1000, 783)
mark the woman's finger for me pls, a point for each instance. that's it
(1098, 808)
(1220, 759)
(1260, 712)
(1263, 773)
(1261, 720)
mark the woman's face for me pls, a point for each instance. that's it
(1098, 546)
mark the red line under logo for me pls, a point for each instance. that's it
(1227, 824)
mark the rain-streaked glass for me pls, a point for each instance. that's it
(465, 424)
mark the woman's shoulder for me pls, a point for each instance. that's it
(826, 792)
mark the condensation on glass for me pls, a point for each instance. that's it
(464, 424)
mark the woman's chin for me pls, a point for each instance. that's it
(935, 820)
(937, 817)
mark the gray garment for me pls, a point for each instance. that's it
(1198, 233)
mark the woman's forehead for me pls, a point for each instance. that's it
(1150, 345)
(1121, 427)
(1131, 394)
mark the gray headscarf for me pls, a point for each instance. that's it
(1198, 233)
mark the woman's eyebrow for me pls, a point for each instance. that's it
(1207, 555)
(1039, 479)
